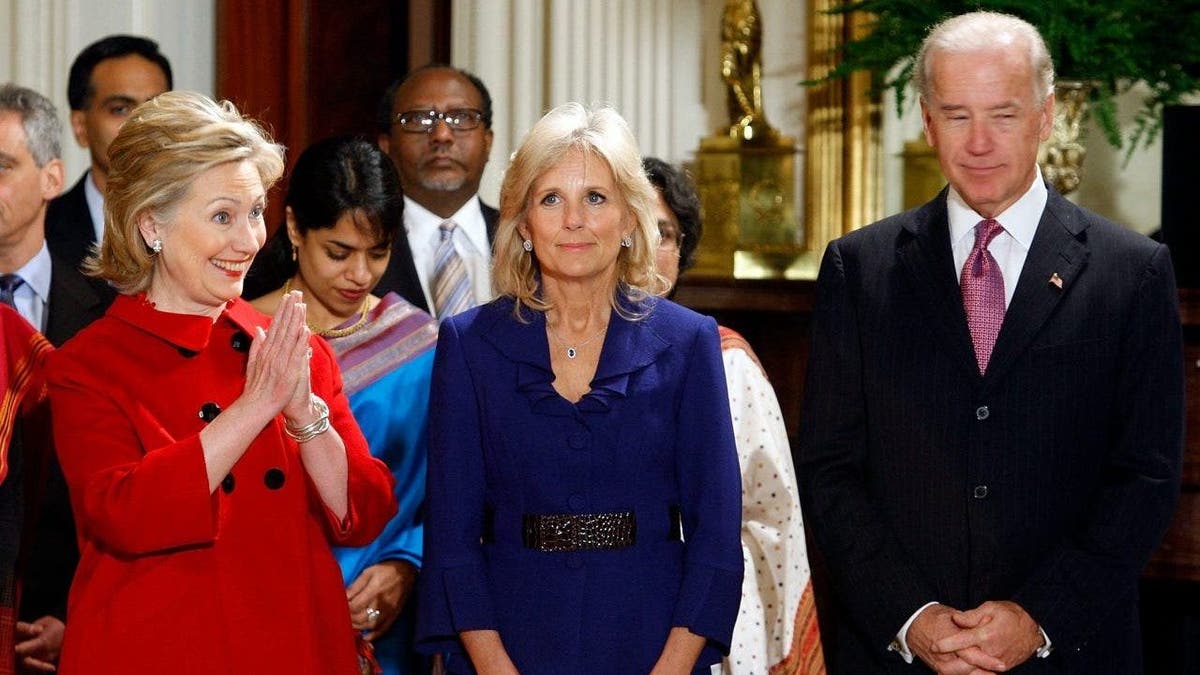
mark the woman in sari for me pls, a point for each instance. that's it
(344, 206)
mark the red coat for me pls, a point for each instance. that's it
(174, 578)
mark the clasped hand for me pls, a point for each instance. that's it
(384, 586)
(992, 638)
(277, 370)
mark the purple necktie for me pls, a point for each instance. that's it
(983, 292)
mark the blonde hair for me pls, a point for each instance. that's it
(979, 31)
(165, 145)
(601, 133)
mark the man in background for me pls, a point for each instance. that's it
(56, 299)
(992, 434)
(108, 80)
(436, 125)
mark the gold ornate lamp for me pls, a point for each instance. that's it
(1061, 155)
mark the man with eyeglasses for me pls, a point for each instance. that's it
(436, 125)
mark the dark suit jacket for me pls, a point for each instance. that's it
(401, 274)
(1047, 481)
(75, 301)
(69, 231)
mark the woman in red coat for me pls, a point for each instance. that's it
(210, 452)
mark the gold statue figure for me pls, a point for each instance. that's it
(741, 68)
(745, 173)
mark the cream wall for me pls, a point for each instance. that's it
(40, 38)
(655, 60)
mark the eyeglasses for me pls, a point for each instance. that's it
(423, 121)
(669, 238)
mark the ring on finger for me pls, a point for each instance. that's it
(373, 615)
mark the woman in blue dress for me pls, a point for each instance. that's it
(344, 207)
(583, 488)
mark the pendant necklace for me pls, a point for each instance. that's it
(573, 350)
(335, 332)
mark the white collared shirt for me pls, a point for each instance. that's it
(32, 296)
(95, 202)
(470, 240)
(1011, 246)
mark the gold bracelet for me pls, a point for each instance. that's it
(303, 434)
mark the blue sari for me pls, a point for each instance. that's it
(386, 368)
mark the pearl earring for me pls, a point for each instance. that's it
(527, 245)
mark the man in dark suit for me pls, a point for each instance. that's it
(992, 435)
(58, 300)
(108, 80)
(436, 125)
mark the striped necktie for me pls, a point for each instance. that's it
(451, 285)
(9, 283)
(983, 292)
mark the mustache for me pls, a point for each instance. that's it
(442, 156)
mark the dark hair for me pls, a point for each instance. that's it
(331, 178)
(79, 82)
(680, 194)
(384, 113)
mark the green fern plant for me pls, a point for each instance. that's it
(1114, 44)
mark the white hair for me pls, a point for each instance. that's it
(982, 31)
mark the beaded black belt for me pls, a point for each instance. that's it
(583, 531)
(579, 532)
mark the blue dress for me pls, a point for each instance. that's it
(652, 435)
(386, 367)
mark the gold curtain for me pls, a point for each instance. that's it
(843, 168)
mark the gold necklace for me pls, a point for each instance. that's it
(573, 350)
(335, 332)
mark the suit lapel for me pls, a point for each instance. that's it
(74, 302)
(1056, 257)
(401, 274)
(491, 218)
(923, 248)
(69, 229)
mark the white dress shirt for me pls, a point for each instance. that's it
(1011, 246)
(95, 202)
(31, 297)
(470, 241)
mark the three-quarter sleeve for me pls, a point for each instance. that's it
(129, 501)
(710, 488)
(454, 588)
(369, 497)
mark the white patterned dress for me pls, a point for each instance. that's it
(776, 630)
